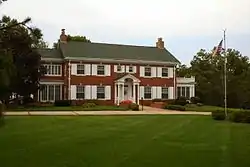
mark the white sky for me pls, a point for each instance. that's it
(138, 22)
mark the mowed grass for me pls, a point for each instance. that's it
(123, 141)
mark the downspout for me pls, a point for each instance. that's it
(69, 78)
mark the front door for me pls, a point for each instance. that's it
(126, 96)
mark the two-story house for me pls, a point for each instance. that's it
(111, 72)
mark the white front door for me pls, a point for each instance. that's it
(126, 92)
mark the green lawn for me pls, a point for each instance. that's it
(193, 107)
(69, 108)
(123, 141)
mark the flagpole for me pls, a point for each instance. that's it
(225, 74)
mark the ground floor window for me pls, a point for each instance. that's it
(80, 92)
(50, 92)
(183, 91)
(100, 92)
(164, 92)
(147, 92)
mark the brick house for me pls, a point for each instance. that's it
(111, 72)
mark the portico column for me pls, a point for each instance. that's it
(138, 93)
(134, 92)
(122, 87)
(115, 93)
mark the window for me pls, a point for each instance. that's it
(100, 70)
(100, 92)
(119, 68)
(80, 92)
(53, 69)
(50, 92)
(130, 69)
(164, 72)
(164, 93)
(147, 71)
(80, 68)
(183, 91)
(147, 92)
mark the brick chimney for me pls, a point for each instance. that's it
(160, 43)
(63, 37)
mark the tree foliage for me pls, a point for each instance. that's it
(77, 38)
(19, 60)
(209, 73)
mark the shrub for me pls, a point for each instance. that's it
(27, 100)
(95, 101)
(126, 102)
(245, 105)
(1, 110)
(181, 101)
(89, 105)
(195, 100)
(175, 107)
(62, 103)
(240, 116)
(218, 115)
(134, 107)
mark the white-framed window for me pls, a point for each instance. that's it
(147, 72)
(164, 92)
(100, 70)
(119, 68)
(164, 72)
(50, 92)
(100, 92)
(80, 69)
(183, 91)
(147, 92)
(80, 92)
(130, 69)
(53, 69)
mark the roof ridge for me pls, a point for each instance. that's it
(116, 44)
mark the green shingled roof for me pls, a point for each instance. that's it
(114, 51)
(50, 53)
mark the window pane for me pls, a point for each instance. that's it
(57, 92)
(183, 91)
(80, 92)
(51, 93)
(48, 69)
(147, 92)
(130, 69)
(178, 91)
(165, 72)
(59, 70)
(188, 92)
(147, 71)
(44, 93)
(164, 94)
(100, 92)
(100, 70)
(119, 68)
(80, 68)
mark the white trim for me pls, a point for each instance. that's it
(122, 61)
(52, 59)
(135, 80)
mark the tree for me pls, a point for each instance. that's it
(77, 38)
(18, 47)
(209, 73)
(1, 1)
(183, 71)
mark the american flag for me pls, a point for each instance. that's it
(218, 49)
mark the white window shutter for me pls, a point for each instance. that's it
(122, 68)
(170, 92)
(170, 72)
(73, 69)
(115, 68)
(107, 92)
(107, 70)
(73, 92)
(158, 92)
(127, 69)
(154, 92)
(94, 91)
(134, 69)
(87, 92)
(141, 92)
(87, 69)
(153, 71)
(159, 72)
(141, 71)
(94, 69)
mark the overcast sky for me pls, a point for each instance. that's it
(185, 25)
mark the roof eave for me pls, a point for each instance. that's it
(122, 61)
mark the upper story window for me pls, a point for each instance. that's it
(80, 69)
(130, 69)
(147, 71)
(100, 70)
(164, 72)
(119, 68)
(53, 69)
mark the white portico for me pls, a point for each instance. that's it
(127, 88)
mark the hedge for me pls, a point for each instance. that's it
(175, 107)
